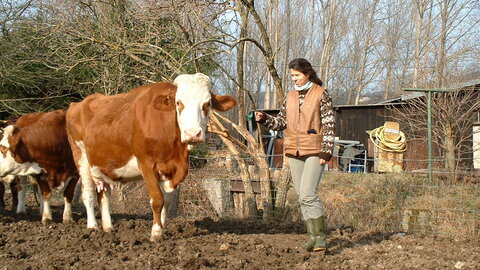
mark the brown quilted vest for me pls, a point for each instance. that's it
(298, 141)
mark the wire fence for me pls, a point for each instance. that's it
(404, 201)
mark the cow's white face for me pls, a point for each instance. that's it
(8, 165)
(192, 104)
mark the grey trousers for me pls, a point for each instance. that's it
(306, 175)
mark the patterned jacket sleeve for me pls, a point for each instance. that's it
(328, 123)
(278, 122)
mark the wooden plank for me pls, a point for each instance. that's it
(236, 185)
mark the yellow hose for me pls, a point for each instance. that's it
(378, 138)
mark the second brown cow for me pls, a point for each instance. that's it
(37, 144)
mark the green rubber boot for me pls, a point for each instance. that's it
(310, 244)
(319, 234)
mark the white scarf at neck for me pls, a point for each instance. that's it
(306, 86)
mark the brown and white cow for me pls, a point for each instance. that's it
(37, 144)
(144, 133)
(17, 184)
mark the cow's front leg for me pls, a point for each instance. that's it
(156, 200)
(46, 194)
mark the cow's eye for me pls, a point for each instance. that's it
(180, 106)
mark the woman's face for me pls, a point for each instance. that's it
(298, 77)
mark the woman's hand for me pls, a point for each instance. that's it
(259, 116)
(322, 161)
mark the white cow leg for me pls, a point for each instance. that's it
(157, 232)
(46, 214)
(158, 223)
(21, 209)
(67, 212)
(68, 195)
(156, 198)
(157, 229)
(164, 215)
(88, 198)
(168, 197)
(88, 187)
(46, 194)
(104, 201)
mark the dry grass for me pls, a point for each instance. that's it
(395, 202)
(379, 202)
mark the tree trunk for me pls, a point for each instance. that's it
(244, 173)
(420, 8)
(257, 153)
(267, 51)
(330, 12)
(443, 42)
(282, 187)
(240, 69)
(449, 149)
(286, 71)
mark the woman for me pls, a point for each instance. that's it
(308, 119)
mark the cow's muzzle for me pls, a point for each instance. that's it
(194, 136)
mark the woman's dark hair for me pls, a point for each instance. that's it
(306, 68)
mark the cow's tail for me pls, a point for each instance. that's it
(34, 184)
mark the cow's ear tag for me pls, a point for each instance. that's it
(164, 103)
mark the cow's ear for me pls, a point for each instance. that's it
(223, 103)
(164, 103)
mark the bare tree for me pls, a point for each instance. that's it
(389, 48)
(452, 115)
(124, 43)
(266, 48)
(332, 21)
(421, 41)
(457, 20)
(364, 35)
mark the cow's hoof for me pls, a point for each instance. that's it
(108, 229)
(68, 221)
(46, 221)
(92, 229)
(157, 232)
(155, 238)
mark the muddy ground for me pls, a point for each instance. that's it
(205, 243)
